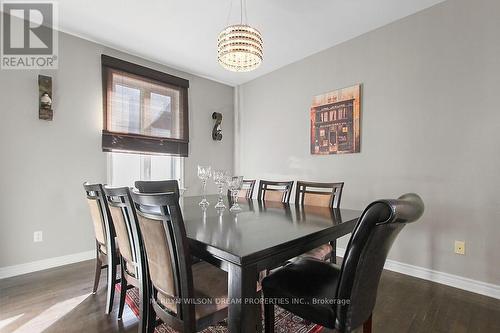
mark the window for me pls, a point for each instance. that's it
(145, 111)
(124, 169)
(341, 114)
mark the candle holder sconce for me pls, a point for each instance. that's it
(45, 111)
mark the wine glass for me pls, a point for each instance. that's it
(220, 178)
(204, 172)
(234, 185)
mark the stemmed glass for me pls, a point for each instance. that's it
(234, 186)
(220, 178)
(204, 172)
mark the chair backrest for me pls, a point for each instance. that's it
(247, 189)
(365, 256)
(275, 191)
(319, 194)
(167, 249)
(157, 186)
(99, 212)
(124, 219)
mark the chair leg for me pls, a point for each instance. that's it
(98, 268)
(333, 254)
(189, 327)
(123, 290)
(151, 318)
(111, 285)
(269, 318)
(367, 325)
(143, 306)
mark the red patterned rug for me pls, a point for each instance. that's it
(285, 321)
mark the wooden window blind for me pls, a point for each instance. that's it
(145, 111)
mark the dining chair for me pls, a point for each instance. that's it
(275, 191)
(106, 247)
(132, 255)
(320, 195)
(161, 186)
(247, 189)
(157, 186)
(273, 195)
(343, 297)
(175, 281)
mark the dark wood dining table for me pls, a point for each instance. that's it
(261, 236)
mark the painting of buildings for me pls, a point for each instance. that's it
(335, 120)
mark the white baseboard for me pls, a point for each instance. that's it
(478, 287)
(39, 265)
(475, 286)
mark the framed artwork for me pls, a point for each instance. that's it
(335, 122)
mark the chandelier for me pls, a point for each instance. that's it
(240, 47)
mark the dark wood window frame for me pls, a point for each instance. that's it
(138, 143)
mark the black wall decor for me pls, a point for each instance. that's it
(217, 130)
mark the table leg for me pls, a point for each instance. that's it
(244, 308)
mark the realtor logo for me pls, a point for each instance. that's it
(29, 35)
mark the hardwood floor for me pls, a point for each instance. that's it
(60, 300)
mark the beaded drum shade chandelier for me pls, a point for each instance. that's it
(239, 46)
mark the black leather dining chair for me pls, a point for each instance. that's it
(342, 298)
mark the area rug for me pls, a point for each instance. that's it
(285, 321)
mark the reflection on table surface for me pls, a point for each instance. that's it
(259, 225)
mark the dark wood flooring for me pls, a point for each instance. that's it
(60, 300)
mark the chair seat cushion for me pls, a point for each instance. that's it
(322, 252)
(307, 288)
(209, 282)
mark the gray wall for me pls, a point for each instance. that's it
(44, 164)
(430, 124)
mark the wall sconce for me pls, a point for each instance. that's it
(45, 111)
(217, 130)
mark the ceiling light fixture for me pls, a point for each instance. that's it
(239, 46)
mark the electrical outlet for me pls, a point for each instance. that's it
(460, 247)
(37, 236)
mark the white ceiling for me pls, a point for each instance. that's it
(183, 33)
